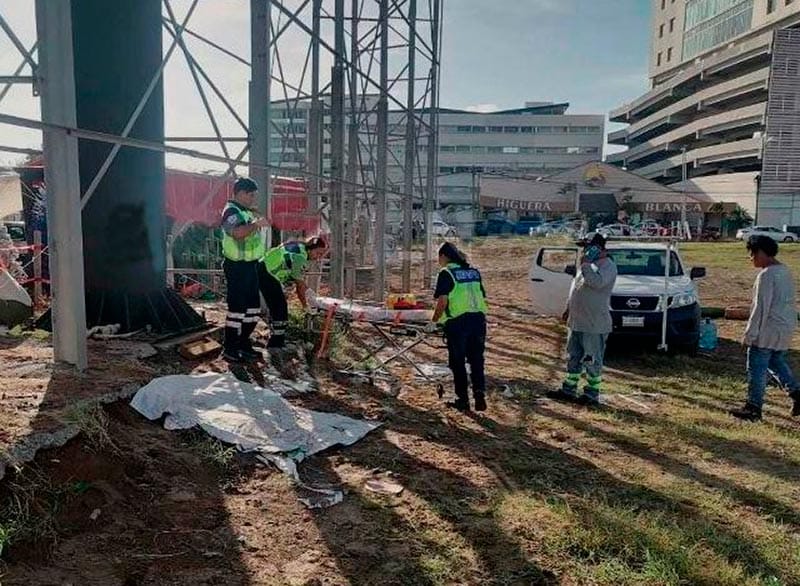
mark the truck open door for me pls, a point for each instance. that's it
(550, 278)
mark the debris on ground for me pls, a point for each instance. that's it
(198, 349)
(252, 418)
(383, 486)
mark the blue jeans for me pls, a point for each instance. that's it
(762, 362)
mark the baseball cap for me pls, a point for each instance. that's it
(245, 184)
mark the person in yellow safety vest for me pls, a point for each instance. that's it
(281, 266)
(461, 310)
(243, 248)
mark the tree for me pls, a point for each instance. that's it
(738, 218)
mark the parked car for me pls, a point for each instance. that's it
(526, 226)
(775, 233)
(637, 300)
(617, 230)
(443, 229)
(500, 226)
(549, 228)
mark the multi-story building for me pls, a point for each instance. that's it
(538, 139)
(724, 104)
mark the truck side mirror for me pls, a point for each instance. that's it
(570, 270)
(697, 273)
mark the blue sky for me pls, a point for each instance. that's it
(591, 53)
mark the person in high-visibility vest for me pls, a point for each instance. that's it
(461, 311)
(282, 266)
(243, 248)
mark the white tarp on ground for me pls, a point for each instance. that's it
(15, 304)
(252, 418)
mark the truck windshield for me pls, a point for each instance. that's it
(646, 263)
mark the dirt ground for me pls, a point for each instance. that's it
(658, 488)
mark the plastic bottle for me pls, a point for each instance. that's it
(708, 335)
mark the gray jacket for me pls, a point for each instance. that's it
(590, 297)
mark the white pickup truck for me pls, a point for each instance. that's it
(637, 299)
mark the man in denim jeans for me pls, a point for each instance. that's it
(773, 319)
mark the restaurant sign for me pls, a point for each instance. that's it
(527, 206)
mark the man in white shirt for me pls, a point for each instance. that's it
(773, 319)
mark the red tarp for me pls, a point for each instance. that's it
(189, 199)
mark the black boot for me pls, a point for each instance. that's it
(230, 350)
(459, 404)
(796, 405)
(480, 402)
(747, 413)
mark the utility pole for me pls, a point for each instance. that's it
(259, 111)
(682, 231)
(337, 155)
(382, 145)
(411, 150)
(65, 239)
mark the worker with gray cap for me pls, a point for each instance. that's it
(588, 318)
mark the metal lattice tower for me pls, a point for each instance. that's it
(364, 73)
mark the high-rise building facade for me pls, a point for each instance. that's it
(724, 104)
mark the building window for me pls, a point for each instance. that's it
(710, 23)
(669, 54)
(464, 129)
(511, 150)
(770, 6)
(447, 149)
(658, 59)
(663, 4)
(495, 149)
(511, 129)
(478, 129)
(462, 149)
(661, 32)
(527, 129)
(671, 25)
(544, 130)
(495, 129)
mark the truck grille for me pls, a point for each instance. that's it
(634, 303)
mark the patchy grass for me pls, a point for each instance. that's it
(220, 455)
(30, 507)
(92, 421)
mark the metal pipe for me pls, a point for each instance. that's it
(352, 159)
(337, 155)
(433, 148)
(410, 151)
(382, 148)
(18, 70)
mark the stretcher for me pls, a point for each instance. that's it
(399, 331)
